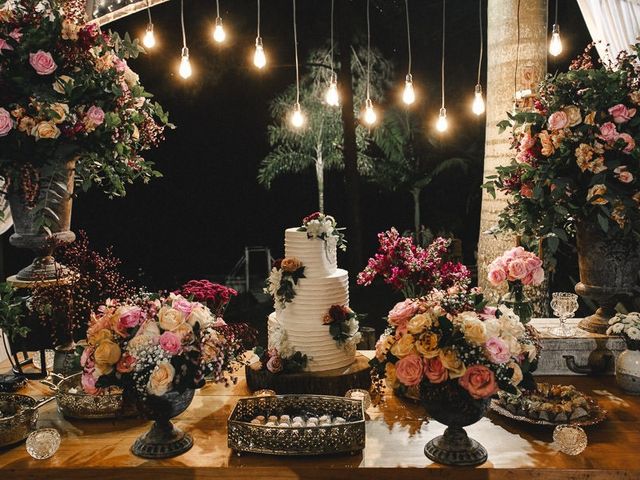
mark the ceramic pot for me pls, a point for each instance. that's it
(628, 368)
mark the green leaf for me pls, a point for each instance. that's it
(603, 222)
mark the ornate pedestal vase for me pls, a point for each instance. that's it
(54, 202)
(164, 440)
(628, 367)
(518, 301)
(609, 269)
(452, 406)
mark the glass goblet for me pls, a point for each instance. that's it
(564, 306)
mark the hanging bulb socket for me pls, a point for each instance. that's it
(297, 117)
(185, 65)
(409, 94)
(442, 124)
(332, 97)
(478, 101)
(555, 46)
(149, 40)
(259, 58)
(219, 35)
(370, 115)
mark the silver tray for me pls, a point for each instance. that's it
(596, 415)
(348, 437)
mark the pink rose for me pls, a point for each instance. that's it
(497, 350)
(488, 313)
(479, 381)
(434, 370)
(533, 263)
(4, 45)
(537, 277)
(628, 139)
(42, 62)
(608, 132)
(126, 363)
(409, 370)
(86, 360)
(183, 305)
(16, 34)
(517, 269)
(219, 322)
(274, 364)
(497, 276)
(6, 124)
(558, 120)
(94, 116)
(88, 382)
(623, 174)
(131, 318)
(527, 142)
(621, 114)
(402, 312)
(170, 343)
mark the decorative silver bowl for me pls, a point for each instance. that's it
(18, 417)
(347, 437)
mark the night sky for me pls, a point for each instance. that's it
(196, 220)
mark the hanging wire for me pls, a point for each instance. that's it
(184, 34)
(295, 45)
(149, 11)
(515, 73)
(481, 41)
(556, 20)
(331, 50)
(258, 18)
(443, 37)
(406, 5)
(218, 8)
(368, 52)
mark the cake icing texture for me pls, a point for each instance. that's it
(298, 325)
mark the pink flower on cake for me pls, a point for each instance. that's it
(479, 381)
(608, 132)
(497, 350)
(621, 113)
(274, 364)
(409, 370)
(170, 343)
(558, 120)
(42, 62)
(6, 124)
(434, 370)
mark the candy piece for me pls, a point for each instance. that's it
(325, 418)
(298, 419)
(270, 424)
(260, 417)
(255, 421)
(339, 420)
(285, 418)
(297, 424)
(273, 418)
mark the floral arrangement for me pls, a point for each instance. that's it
(480, 350)
(412, 269)
(214, 295)
(627, 325)
(283, 279)
(274, 362)
(319, 225)
(576, 154)
(343, 325)
(68, 92)
(516, 265)
(151, 346)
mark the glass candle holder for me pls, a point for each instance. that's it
(43, 443)
(360, 394)
(570, 439)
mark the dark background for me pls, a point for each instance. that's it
(196, 220)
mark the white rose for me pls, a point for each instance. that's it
(131, 77)
(474, 330)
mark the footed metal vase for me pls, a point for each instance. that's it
(164, 439)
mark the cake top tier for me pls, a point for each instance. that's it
(318, 256)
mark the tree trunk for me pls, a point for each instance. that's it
(502, 52)
(416, 212)
(350, 151)
(320, 177)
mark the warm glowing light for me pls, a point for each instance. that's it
(185, 65)
(297, 117)
(409, 95)
(332, 97)
(218, 32)
(370, 115)
(259, 58)
(555, 46)
(149, 39)
(478, 101)
(442, 124)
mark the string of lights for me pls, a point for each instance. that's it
(185, 65)
(442, 124)
(297, 117)
(478, 100)
(409, 95)
(332, 97)
(149, 40)
(555, 46)
(219, 35)
(370, 115)
(259, 57)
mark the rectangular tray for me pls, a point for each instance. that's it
(348, 437)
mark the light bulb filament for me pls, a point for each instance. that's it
(149, 39)
(442, 124)
(332, 97)
(478, 101)
(555, 46)
(409, 94)
(259, 58)
(297, 117)
(370, 115)
(219, 34)
(185, 65)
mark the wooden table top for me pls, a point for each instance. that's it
(396, 434)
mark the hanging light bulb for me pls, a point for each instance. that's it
(478, 101)
(297, 117)
(555, 46)
(332, 96)
(442, 124)
(259, 58)
(149, 39)
(185, 65)
(370, 115)
(409, 95)
(219, 34)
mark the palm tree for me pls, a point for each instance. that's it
(411, 159)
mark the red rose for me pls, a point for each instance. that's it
(479, 381)
(338, 313)
(277, 263)
(313, 216)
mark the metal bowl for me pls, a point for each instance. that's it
(19, 417)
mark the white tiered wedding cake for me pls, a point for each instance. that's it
(301, 322)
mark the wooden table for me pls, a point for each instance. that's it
(396, 435)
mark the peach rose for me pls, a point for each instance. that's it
(452, 362)
(434, 370)
(170, 318)
(401, 313)
(290, 264)
(628, 139)
(600, 190)
(558, 120)
(427, 345)
(573, 115)
(161, 379)
(69, 30)
(404, 346)
(107, 354)
(100, 335)
(200, 315)
(42, 62)
(621, 113)
(623, 175)
(496, 276)
(419, 323)
(517, 376)
(383, 345)
(409, 370)
(45, 130)
(608, 132)
(479, 381)
(61, 111)
(185, 333)
(61, 82)
(474, 330)
(517, 269)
